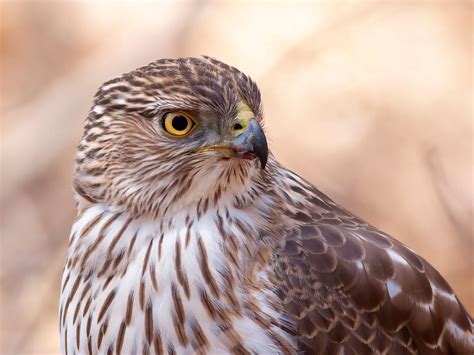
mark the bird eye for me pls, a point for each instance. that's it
(178, 123)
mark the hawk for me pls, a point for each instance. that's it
(191, 238)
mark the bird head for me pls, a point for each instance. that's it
(171, 133)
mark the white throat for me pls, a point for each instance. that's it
(197, 280)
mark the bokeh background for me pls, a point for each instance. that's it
(370, 101)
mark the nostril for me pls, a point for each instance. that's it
(237, 127)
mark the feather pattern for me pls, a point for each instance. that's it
(347, 285)
(182, 250)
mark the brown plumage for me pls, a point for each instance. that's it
(191, 237)
(350, 286)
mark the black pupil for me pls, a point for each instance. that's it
(179, 123)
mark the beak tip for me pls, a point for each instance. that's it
(253, 140)
(263, 157)
(259, 143)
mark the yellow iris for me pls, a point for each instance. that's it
(178, 123)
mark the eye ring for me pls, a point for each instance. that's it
(178, 123)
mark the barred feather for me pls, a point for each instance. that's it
(181, 250)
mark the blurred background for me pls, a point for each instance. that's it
(370, 101)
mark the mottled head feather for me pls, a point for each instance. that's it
(124, 157)
(235, 234)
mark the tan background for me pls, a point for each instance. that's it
(371, 101)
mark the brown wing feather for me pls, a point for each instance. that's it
(347, 285)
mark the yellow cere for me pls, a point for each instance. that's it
(178, 123)
(244, 115)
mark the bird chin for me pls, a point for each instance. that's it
(228, 155)
(248, 156)
(246, 159)
(244, 162)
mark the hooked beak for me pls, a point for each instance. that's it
(251, 141)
